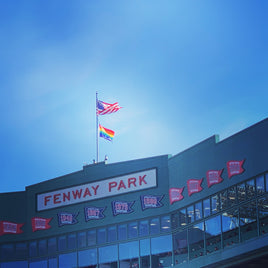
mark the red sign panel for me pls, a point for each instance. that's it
(235, 167)
(7, 227)
(175, 194)
(194, 186)
(214, 177)
(40, 223)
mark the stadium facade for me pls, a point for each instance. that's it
(204, 207)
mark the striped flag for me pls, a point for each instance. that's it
(106, 133)
(40, 223)
(7, 227)
(107, 108)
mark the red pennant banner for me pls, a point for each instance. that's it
(214, 177)
(175, 194)
(235, 167)
(7, 227)
(40, 223)
(194, 186)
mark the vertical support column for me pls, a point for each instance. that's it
(97, 130)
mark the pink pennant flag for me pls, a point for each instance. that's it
(40, 223)
(194, 186)
(235, 167)
(214, 177)
(175, 194)
(7, 227)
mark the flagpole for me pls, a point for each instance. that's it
(97, 130)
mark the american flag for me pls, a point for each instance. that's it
(107, 108)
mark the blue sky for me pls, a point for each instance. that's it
(182, 70)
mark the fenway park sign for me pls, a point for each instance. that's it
(99, 189)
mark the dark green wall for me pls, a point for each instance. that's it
(250, 144)
(193, 163)
(13, 209)
(91, 173)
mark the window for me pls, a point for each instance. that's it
(15, 264)
(248, 217)
(213, 234)
(215, 204)
(71, 241)
(53, 262)
(62, 244)
(190, 214)
(87, 257)
(42, 246)
(33, 249)
(183, 219)
(223, 200)
(145, 251)
(91, 237)
(101, 235)
(206, 206)
(68, 260)
(52, 245)
(196, 240)
(145, 247)
(180, 247)
(241, 192)
(250, 188)
(161, 251)
(107, 265)
(230, 227)
(144, 228)
(21, 250)
(7, 251)
(198, 211)
(128, 254)
(260, 185)
(145, 262)
(132, 230)
(38, 264)
(232, 196)
(154, 226)
(112, 234)
(263, 214)
(81, 240)
(175, 220)
(165, 223)
(122, 232)
(266, 181)
(108, 256)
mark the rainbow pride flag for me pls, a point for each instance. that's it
(106, 133)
